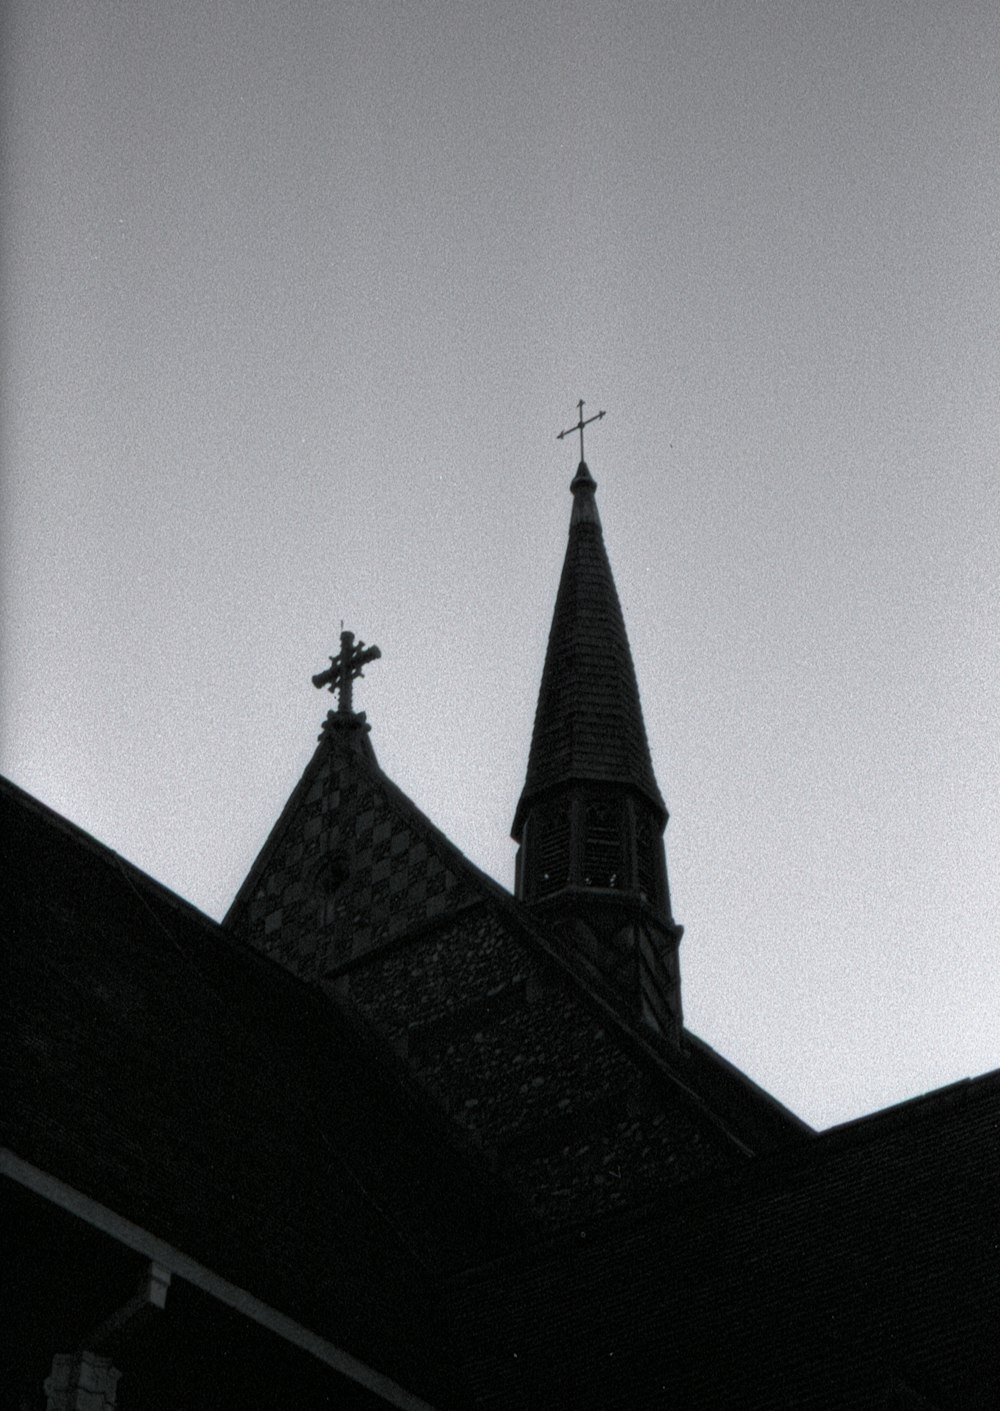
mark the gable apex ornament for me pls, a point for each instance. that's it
(339, 675)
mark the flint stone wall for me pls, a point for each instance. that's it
(528, 1069)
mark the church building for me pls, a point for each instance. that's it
(393, 1137)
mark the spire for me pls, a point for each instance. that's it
(590, 819)
(588, 722)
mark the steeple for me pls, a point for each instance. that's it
(590, 819)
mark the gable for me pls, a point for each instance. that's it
(350, 866)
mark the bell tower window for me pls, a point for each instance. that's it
(646, 848)
(552, 852)
(603, 854)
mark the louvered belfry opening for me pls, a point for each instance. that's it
(603, 845)
(647, 848)
(552, 850)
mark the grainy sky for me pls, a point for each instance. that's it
(295, 298)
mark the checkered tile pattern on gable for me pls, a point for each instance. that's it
(349, 867)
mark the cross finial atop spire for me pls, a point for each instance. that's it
(339, 676)
(580, 425)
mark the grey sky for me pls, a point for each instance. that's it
(296, 297)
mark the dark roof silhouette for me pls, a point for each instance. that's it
(203, 1093)
(859, 1270)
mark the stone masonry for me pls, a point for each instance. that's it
(536, 1076)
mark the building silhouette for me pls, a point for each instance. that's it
(391, 1137)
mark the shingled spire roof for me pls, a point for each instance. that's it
(588, 721)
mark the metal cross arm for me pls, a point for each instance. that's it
(339, 676)
(580, 425)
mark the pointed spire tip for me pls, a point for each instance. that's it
(583, 478)
(584, 488)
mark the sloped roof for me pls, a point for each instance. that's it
(588, 721)
(860, 1266)
(159, 1067)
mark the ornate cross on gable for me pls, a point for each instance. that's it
(339, 677)
(580, 425)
